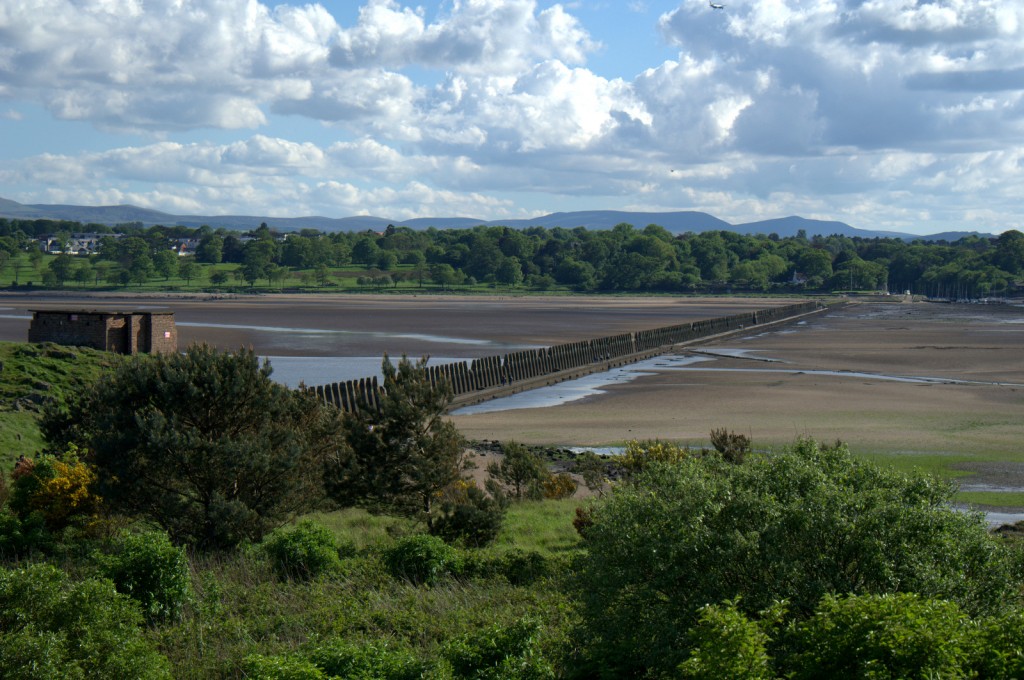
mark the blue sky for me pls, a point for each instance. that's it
(885, 114)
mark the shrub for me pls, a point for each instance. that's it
(59, 489)
(899, 635)
(53, 627)
(152, 571)
(500, 653)
(289, 667)
(520, 471)
(733, 447)
(640, 455)
(21, 537)
(791, 526)
(371, 660)
(421, 559)
(522, 567)
(469, 516)
(999, 652)
(726, 644)
(304, 551)
(558, 486)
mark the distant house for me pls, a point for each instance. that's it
(185, 246)
(77, 244)
(121, 332)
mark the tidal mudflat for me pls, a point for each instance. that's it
(917, 384)
(925, 385)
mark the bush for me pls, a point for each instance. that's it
(421, 559)
(726, 644)
(640, 455)
(372, 660)
(500, 653)
(791, 526)
(469, 516)
(259, 667)
(304, 551)
(19, 538)
(521, 567)
(58, 488)
(883, 636)
(999, 652)
(53, 627)
(152, 571)
(558, 486)
(520, 471)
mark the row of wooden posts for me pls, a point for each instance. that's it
(491, 372)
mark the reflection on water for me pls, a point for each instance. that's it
(321, 331)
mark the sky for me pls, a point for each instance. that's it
(884, 114)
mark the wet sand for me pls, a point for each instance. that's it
(961, 342)
(775, 403)
(369, 325)
(979, 426)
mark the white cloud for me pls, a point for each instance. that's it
(891, 108)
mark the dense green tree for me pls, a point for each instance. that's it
(188, 270)
(793, 526)
(509, 272)
(61, 266)
(202, 443)
(210, 250)
(165, 261)
(403, 452)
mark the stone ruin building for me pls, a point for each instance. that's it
(121, 332)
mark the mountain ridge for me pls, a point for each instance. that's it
(677, 222)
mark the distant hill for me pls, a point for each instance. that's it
(678, 222)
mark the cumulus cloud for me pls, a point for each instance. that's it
(893, 110)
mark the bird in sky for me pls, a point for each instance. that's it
(715, 6)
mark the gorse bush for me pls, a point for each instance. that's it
(421, 559)
(52, 627)
(558, 486)
(152, 571)
(59, 489)
(304, 551)
(641, 454)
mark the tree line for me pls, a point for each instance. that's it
(624, 258)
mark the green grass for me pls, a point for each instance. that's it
(543, 526)
(1000, 499)
(30, 375)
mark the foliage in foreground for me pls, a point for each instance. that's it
(793, 527)
(51, 626)
(203, 443)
